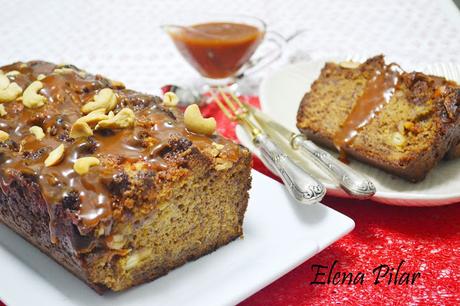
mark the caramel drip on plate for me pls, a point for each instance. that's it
(378, 91)
(155, 126)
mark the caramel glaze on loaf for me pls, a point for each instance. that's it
(406, 135)
(160, 196)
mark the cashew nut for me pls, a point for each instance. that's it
(55, 156)
(135, 258)
(63, 70)
(398, 139)
(215, 149)
(124, 119)
(2, 110)
(4, 136)
(41, 76)
(170, 99)
(4, 81)
(12, 73)
(31, 98)
(95, 116)
(105, 99)
(218, 146)
(195, 122)
(117, 84)
(116, 242)
(37, 131)
(80, 129)
(82, 165)
(349, 64)
(222, 164)
(9, 91)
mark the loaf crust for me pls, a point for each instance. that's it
(161, 195)
(410, 134)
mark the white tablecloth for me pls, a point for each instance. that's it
(122, 40)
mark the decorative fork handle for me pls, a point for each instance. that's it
(350, 180)
(304, 188)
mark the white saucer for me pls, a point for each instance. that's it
(280, 95)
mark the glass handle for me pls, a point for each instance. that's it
(260, 62)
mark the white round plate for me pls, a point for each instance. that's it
(280, 95)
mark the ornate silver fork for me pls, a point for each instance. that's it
(303, 187)
(351, 181)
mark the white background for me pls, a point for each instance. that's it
(122, 39)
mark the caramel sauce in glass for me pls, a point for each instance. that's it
(217, 50)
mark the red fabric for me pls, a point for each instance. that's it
(427, 239)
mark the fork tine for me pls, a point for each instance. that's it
(240, 113)
(239, 102)
(228, 101)
(222, 107)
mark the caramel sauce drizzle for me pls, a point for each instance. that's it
(155, 126)
(378, 91)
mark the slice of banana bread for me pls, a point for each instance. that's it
(109, 182)
(403, 123)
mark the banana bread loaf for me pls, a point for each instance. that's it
(110, 182)
(403, 123)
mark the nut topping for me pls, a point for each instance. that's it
(4, 80)
(37, 131)
(215, 149)
(9, 91)
(398, 139)
(63, 70)
(195, 122)
(82, 165)
(124, 119)
(55, 156)
(349, 64)
(134, 259)
(95, 116)
(218, 146)
(4, 136)
(80, 129)
(170, 99)
(222, 164)
(31, 98)
(2, 110)
(12, 73)
(116, 242)
(105, 99)
(117, 84)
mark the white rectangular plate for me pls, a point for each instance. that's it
(279, 234)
